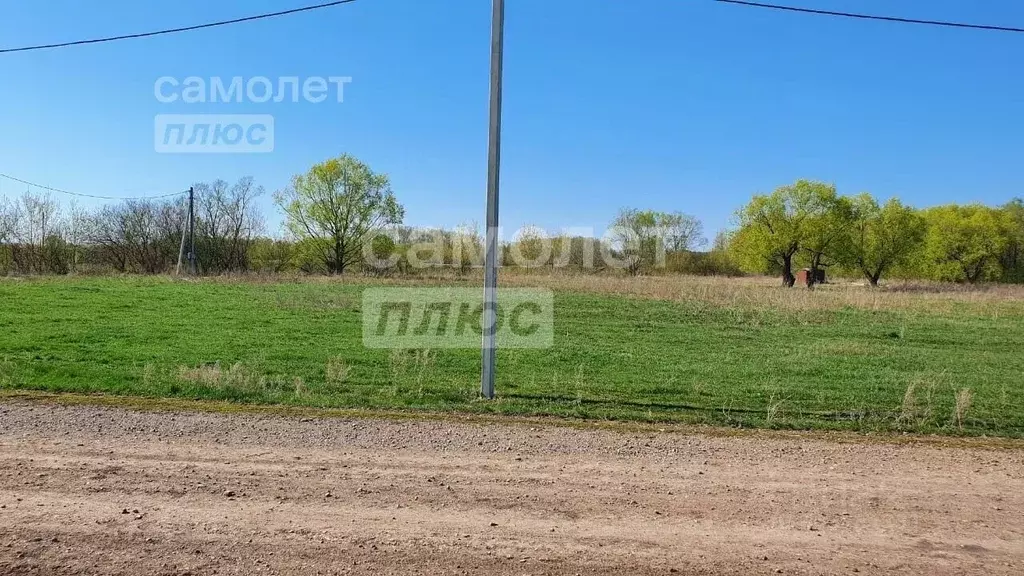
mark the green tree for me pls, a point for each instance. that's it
(634, 234)
(1013, 257)
(774, 227)
(531, 247)
(964, 243)
(828, 221)
(882, 237)
(336, 207)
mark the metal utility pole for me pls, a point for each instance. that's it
(493, 179)
(191, 231)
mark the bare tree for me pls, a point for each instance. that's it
(681, 232)
(108, 233)
(76, 233)
(9, 216)
(137, 235)
(37, 219)
(644, 237)
(227, 221)
(8, 220)
(144, 236)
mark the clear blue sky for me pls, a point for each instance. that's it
(666, 104)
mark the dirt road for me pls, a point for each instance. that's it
(91, 490)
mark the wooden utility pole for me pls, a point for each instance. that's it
(490, 320)
(191, 231)
(181, 248)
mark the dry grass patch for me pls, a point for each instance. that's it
(913, 410)
(337, 370)
(774, 408)
(759, 293)
(7, 371)
(409, 369)
(919, 404)
(237, 377)
(207, 375)
(299, 385)
(749, 293)
(963, 404)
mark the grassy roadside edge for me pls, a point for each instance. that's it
(147, 404)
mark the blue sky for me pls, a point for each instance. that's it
(683, 105)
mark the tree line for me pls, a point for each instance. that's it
(342, 217)
(39, 236)
(339, 217)
(808, 224)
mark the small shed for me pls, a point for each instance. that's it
(809, 278)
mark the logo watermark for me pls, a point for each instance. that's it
(213, 133)
(402, 248)
(447, 317)
(258, 89)
(235, 133)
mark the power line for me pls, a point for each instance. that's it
(58, 190)
(874, 17)
(176, 30)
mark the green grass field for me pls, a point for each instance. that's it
(615, 357)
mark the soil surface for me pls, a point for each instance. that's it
(95, 490)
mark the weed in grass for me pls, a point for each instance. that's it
(242, 378)
(149, 375)
(963, 403)
(300, 388)
(908, 410)
(774, 408)
(916, 410)
(7, 371)
(207, 375)
(918, 407)
(697, 386)
(422, 359)
(409, 369)
(337, 371)
(579, 385)
(238, 378)
(399, 362)
(399, 359)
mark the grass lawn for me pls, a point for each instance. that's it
(615, 357)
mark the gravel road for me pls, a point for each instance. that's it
(98, 490)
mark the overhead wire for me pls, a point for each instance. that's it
(820, 12)
(95, 196)
(176, 30)
(144, 35)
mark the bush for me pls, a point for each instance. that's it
(713, 263)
